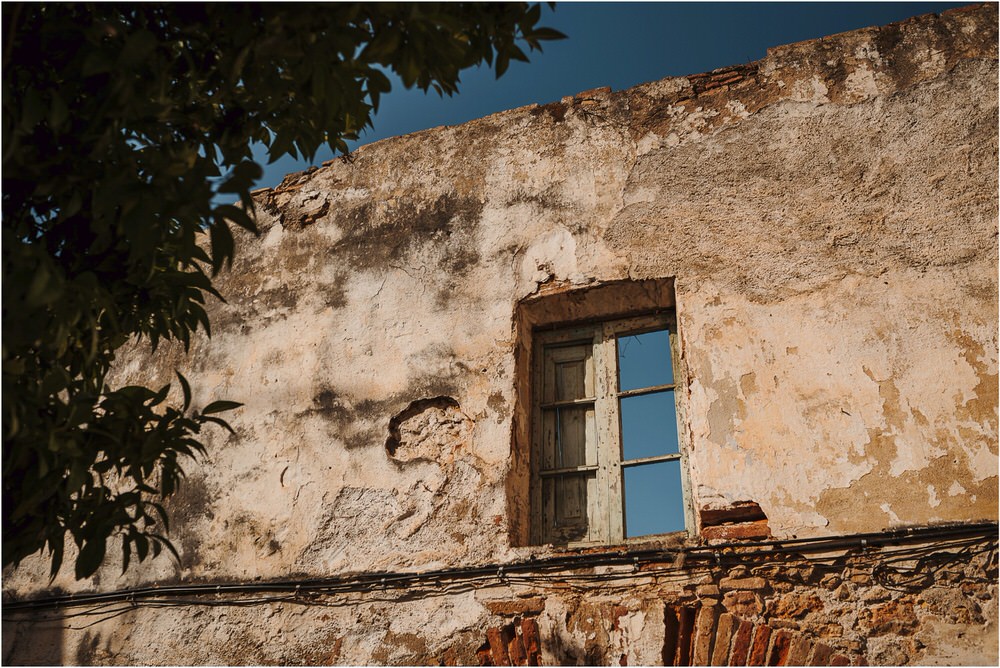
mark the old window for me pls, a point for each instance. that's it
(607, 462)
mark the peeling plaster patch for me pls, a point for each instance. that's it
(737, 109)
(550, 257)
(428, 429)
(648, 142)
(887, 509)
(867, 51)
(932, 497)
(814, 90)
(983, 463)
(694, 123)
(862, 82)
(956, 489)
(933, 62)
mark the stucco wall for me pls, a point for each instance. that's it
(829, 217)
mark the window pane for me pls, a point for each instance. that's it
(644, 360)
(654, 500)
(649, 425)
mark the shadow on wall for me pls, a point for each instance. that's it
(33, 643)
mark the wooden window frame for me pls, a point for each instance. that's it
(605, 505)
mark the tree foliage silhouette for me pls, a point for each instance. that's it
(122, 126)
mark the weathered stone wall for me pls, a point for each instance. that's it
(828, 218)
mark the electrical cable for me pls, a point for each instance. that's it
(930, 549)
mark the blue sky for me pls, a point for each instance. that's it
(620, 45)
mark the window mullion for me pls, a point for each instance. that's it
(538, 530)
(609, 439)
(680, 379)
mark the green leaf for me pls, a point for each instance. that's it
(59, 112)
(547, 34)
(138, 46)
(44, 288)
(503, 61)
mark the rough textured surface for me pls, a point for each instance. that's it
(828, 218)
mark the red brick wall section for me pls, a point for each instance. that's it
(702, 636)
(514, 644)
(693, 636)
(743, 520)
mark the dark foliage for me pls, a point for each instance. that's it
(122, 125)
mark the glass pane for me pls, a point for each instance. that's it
(654, 500)
(649, 425)
(644, 360)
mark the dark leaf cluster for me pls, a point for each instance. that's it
(123, 126)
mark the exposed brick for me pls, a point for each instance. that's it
(875, 595)
(892, 617)
(483, 655)
(707, 590)
(603, 91)
(532, 645)
(741, 644)
(744, 511)
(742, 583)
(820, 655)
(743, 603)
(758, 648)
(617, 613)
(798, 653)
(828, 630)
(516, 607)
(515, 650)
(744, 531)
(704, 633)
(723, 636)
(839, 660)
(498, 647)
(795, 606)
(780, 649)
(449, 658)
